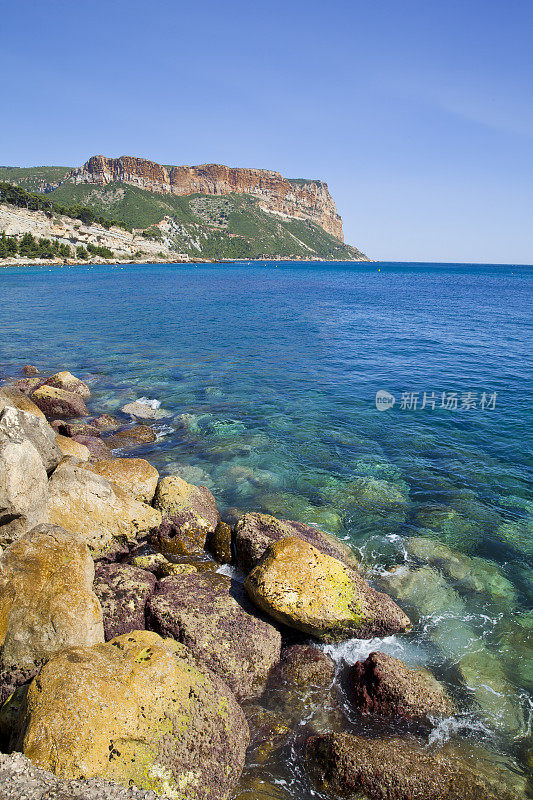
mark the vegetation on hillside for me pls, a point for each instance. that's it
(17, 196)
(33, 179)
(207, 226)
(30, 247)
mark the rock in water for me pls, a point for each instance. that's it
(68, 382)
(123, 591)
(139, 710)
(134, 475)
(394, 769)
(29, 369)
(220, 626)
(23, 481)
(219, 543)
(46, 597)
(55, 402)
(103, 514)
(255, 532)
(131, 437)
(143, 411)
(386, 687)
(315, 593)
(105, 422)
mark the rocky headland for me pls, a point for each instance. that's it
(152, 645)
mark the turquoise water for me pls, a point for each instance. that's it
(269, 376)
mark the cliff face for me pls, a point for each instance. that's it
(301, 199)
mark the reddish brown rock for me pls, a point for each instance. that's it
(68, 382)
(219, 543)
(55, 402)
(105, 422)
(216, 621)
(131, 437)
(303, 199)
(29, 369)
(71, 429)
(27, 385)
(179, 536)
(123, 591)
(394, 769)
(96, 446)
(386, 687)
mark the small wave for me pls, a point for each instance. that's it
(163, 431)
(231, 572)
(358, 649)
(150, 402)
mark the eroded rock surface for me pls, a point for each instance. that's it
(138, 709)
(221, 627)
(123, 591)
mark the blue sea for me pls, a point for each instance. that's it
(268, 376)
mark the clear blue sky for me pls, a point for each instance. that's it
(418, 113)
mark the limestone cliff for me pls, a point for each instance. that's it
(299, 199)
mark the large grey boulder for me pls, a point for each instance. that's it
(23, 480)
(14, 422)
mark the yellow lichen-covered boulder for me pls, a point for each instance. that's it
(55, 402)
(138, 710)
(317, 594)
(134, 475)
(193, 509)
(68, 382)
(71, 448)
(105, 515)
(46, 597)
(13, 397)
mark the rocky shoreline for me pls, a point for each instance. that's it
(150, 639)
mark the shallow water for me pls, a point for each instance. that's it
(269, 376)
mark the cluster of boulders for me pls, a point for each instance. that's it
(127, 655)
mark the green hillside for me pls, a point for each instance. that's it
(230, 226)
(227, 226)
(33, 179)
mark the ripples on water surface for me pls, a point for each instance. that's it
(269, 376)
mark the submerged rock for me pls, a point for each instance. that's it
(385, 686)
(303, 666)
(137, 710)
(46, 598)
(219, 625)
(29, 369)
(55, 402)
(123, 591)
(131, 437)
(134, 475)
(105, 422)
(103, 514)
(255, 532)
(470, 574)
(317, 594)
(142, 411)
(68, 382)
(394, 769)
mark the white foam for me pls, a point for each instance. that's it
(231, 572)
(358, 649)
(147, 401)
